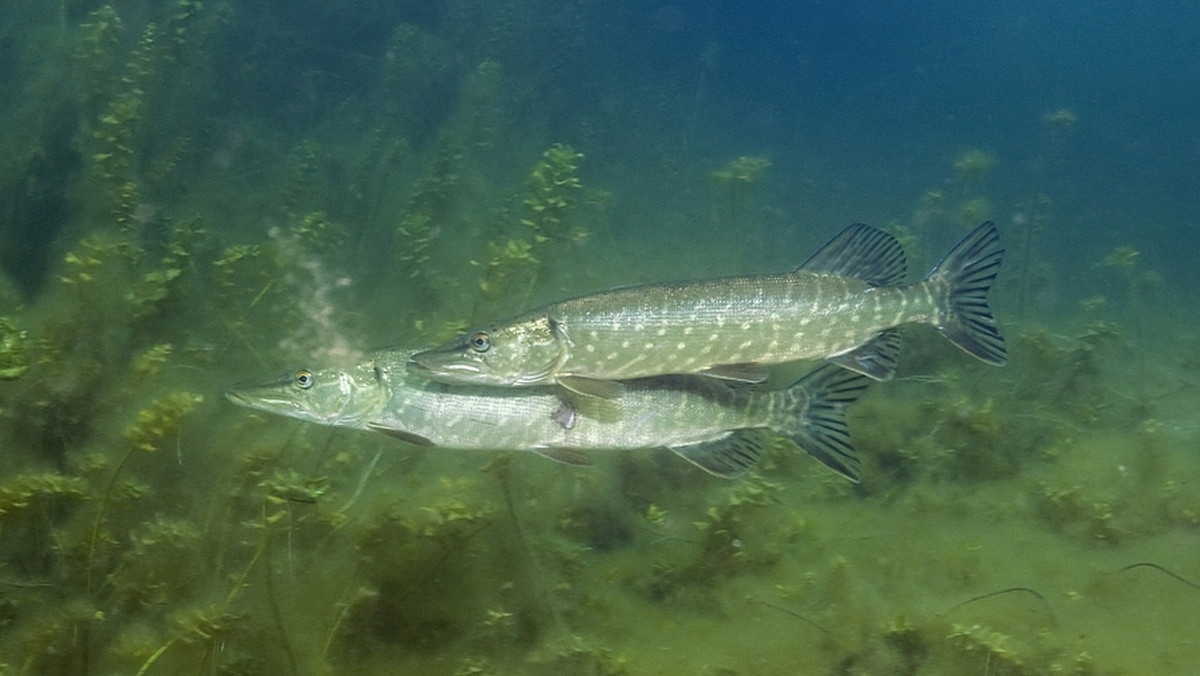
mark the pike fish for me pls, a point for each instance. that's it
(721, 429)
(840, 305)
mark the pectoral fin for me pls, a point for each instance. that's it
(591, 387)
(744, 372)
(594, 408)
(729, 456)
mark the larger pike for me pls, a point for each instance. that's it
(840, 305)
(721, 429)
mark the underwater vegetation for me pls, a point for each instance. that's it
(208, 214)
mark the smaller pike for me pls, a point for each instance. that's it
(718, 428)
(840, 305)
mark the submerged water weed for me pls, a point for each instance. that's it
(289, 486)
(149, 362)
(161, 419)
(19, 492)
(552, 190)
(158, 562)
(575, 655)
(97, 53)
(723, 551)
(506, 261)
(1089, 518)
(417, 233)
(552, 193)
(116, 132)
(319, 235)
(14, 361)
(997, 649)
(738, 179)
(973, 165)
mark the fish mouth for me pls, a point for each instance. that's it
(260, 401)
(428, 370)
(236, 397)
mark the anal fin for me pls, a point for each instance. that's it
(729, 456)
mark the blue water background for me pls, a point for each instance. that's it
(862, 107)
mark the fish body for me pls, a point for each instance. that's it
(719, 428)
(839, 305)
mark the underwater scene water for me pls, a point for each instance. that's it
(199, 194)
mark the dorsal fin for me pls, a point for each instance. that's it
(862, 252)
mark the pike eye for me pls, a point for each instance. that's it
(480, 342)
(304, 379)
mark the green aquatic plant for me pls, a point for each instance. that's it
(723, 551)
(1124, 260)
(974, 211)
(14, 360)
(301, 182)
(736, 184)
(1060, 121)
(251, 280)
(1035, 217)
(160, 419)
(996, 648)
(160, 171)
(96, 55)
(552, 193)
(18, 493)
(505, 262)
(152, 288)
(317, 234)
(428, 210)
(574, 655)
(741, 174)
(973, 165)
(115, 142)
(1075, 511)
(226, 267)
(417, 233)
(288, 485)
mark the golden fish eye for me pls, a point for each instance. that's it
(304, 379)
(480, 342)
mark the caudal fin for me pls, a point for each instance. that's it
(968, 272)
(813, 415)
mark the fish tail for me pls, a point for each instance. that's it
(812, 414)
(965, 276)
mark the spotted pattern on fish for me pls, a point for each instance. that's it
(834, 305)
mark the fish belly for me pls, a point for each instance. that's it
(653, 413)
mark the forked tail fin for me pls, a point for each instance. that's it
(968, 272)
(812, 413)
